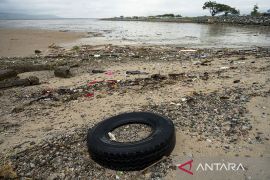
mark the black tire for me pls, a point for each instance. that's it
(132, 155)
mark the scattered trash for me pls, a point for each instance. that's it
(224, 97)
(135, 72)
(97, 55)
(225, 67)
(90, 84)
(183, 99)
(89, 95)
(203, 56)
(109, 73)
(200, 116)
(96, 71)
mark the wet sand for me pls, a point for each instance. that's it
(23, 42)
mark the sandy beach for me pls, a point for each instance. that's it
(23, 42)
(218, 100)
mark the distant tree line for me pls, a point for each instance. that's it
(214, 9)
(217, 8)
(169, 15)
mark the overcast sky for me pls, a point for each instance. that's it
(110, 8)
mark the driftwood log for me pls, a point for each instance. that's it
(13, 82)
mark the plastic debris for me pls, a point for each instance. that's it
(224, 67)
(112, 136)
(109, 73)
(89, 95)
(97, 55)
(135, 72)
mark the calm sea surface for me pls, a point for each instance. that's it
(158, 33)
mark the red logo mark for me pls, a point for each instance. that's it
(181, 167)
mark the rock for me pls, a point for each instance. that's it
(38, 51)
(206, 62)
(62, 71)
(7, 73)
(33, 80)
(236, 81)
(32, 165)
(101, 96)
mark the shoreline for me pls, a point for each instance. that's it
(230, 20)
(23, 42)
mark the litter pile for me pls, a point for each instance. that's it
(215, 116)
(66, 156)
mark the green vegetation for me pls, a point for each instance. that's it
(168, 15)
(76, 48)
(165, 15)
(255, 11)
(216, 8)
